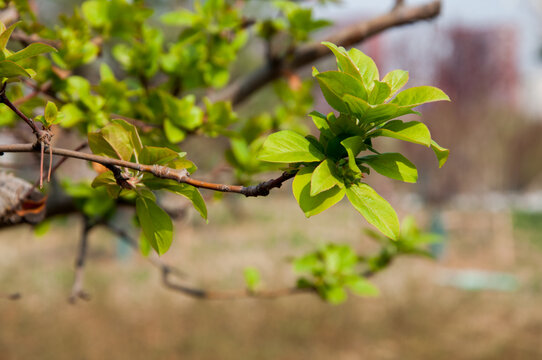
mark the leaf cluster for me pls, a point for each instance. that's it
(332, 166)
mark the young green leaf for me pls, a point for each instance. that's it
(419, 95)
(51, 113)
(155, 223)
(333, 294)
(412, 131)
(312, 205)
(321, 124)
(252, 278)
(144, 245)
(366, 66)
(440, 152)
(344, 62)
(374, 209)
(31, 50)
(287, 147)
(118, 140)
(367, 113)
(393, 165)
(396, 79)
(381, 91)
(173, 133)
(335, 85)
(325, 177)
(361, 286)
(6, 34)
(9, 69)
(353, 145)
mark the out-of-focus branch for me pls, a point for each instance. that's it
(168, 272)
(29, 39)
(77, 289)
(12, 296)
(398, 4)
(349, 36)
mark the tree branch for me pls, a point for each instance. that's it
(402, 15)
(159, 171)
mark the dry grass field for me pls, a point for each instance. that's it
(131, 316)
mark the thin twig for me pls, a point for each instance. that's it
(4, 99)
(77, 291)
(159, 171)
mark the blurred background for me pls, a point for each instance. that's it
(479, 300)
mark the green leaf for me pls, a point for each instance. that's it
(344, 62)
(396, 79)
(6, 34)
(155, 223)
(312, 205)
(440, 152)
(375, 209)
(366, 66)
(188, 191)
(99, 146)
(173, 133)
(96, 12)
(310, 263)
(51, 112)
(288, 146)
(118, 139)
(42, 227)
(370, 113)
(353, 145)
(72, 115)
(180, 17)
(103, 179)
(362, 287)
(31, 50)
(381, 91)
(144, 245)
(419, 95)
(10, 69)
(335, 85)
(192, 194)
(321, 124)
(412, 131)
(133, 135)
(152, 155)
(252, 278)
(324, 177)
(393, 165)
(333, 294)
